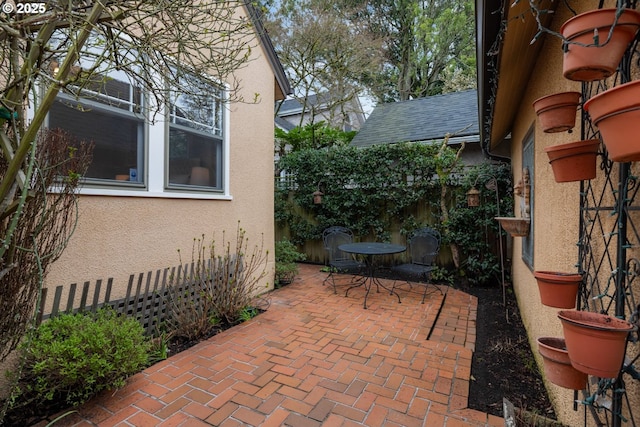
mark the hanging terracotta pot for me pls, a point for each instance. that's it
(557, 366)
(558, 290)
(575, 161)
(616, 113)
(589, 52)
(557, 112)
(596, 342)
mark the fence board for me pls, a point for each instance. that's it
(123, 305)
(72, 295)
(96, 296)
(83, 298)
(107, 296)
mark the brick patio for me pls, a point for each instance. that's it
(314, 358)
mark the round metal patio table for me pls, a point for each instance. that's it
(369, 250)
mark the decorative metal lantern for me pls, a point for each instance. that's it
(317, 197)
(473, 197)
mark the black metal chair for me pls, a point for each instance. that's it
(339, 261)
(423, 247)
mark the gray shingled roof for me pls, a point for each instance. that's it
(422, 119)
(294, 106)
(283, 124)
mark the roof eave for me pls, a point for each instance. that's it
(505, 58)
(283, 87)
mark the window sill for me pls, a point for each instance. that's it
(143, 193)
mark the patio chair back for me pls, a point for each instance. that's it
(424, 246)
(332, 238)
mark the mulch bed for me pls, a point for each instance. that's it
(503, 365)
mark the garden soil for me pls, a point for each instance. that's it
(503, 365)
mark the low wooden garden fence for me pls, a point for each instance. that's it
(147, 298)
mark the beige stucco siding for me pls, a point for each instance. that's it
(555, 210)
(119, 236)
(556, 213)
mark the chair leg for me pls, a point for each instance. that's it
(425, 283)
(333, 280)
(426, 287)
(394, 285)
(424, 295)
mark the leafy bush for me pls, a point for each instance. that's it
(71, 357)
(286, 257)
(312, 135)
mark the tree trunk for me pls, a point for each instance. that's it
(455, 252)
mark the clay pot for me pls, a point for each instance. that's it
(516, 227)
(574, 161)
(616, 113)
(596, 342)
(557, 366)
(558, 290)
(557, 112)
(586, 59)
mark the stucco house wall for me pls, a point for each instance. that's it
(556, 206)
(554, 212)
(121, 234)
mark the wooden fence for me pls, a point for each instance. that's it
(148, 295)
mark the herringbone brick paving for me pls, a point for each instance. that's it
(314, 358)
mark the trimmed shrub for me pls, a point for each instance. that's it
(71, 357)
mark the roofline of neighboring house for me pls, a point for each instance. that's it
(455, 140)
(460, 139)
(320, 103)
(272, 57)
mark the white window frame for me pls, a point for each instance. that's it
(218, 131)
(155, 152)
(95, 104)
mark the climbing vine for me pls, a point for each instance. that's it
(370, 189)
(363, 188)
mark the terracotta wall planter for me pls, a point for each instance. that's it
(588, 63)
(575, 161)
(557, 366)
(516, 227)
(557, 289)
(557, 112)
(616, 113)
(596, 342)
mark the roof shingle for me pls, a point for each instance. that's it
(422, 119)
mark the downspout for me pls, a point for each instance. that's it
(486, 150)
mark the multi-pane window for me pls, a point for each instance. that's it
(110, 115)
(195, 159)
(188, 149)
